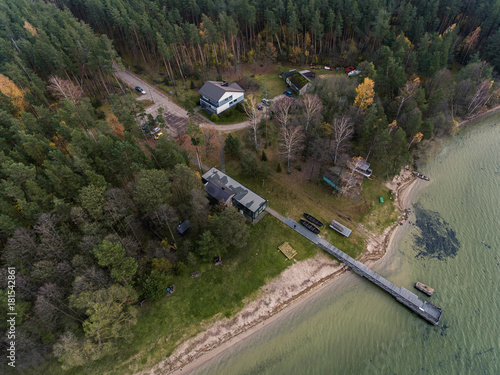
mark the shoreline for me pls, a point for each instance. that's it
(291, 289)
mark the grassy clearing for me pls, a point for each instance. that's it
(219, 291)
(231, 116)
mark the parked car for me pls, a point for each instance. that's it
(157, 136)
(156, 130)
(259, 107)
(328, 68)
(266, 102)
(139, 89)
(145, 129)
(288, 93)
(349, 69)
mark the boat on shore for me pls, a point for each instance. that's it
(309, 226)
(420, 175)
(424, 288)
(313, 220)
(335, 225)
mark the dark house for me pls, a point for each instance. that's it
(184, 227)
(223, 188)
(308, 74)
(296, 81)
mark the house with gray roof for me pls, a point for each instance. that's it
(223, 188)
(217, 96)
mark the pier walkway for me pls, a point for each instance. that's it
(424, 309)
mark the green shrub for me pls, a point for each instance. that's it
(278, 168)
(214, 118)
(264, 156)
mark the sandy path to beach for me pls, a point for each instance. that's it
(297, 284)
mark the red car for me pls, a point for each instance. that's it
(349, 69)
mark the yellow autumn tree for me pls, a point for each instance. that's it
(9, 88)
(30, 28)
(416, 139)
(364, 94)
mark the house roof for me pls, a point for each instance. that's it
(218, 190)
(299, 80)
(290, 73)
(183, 227)
(308, 74)
(243, 195)
(214, 90)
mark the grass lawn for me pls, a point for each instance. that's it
(271, 84)
(231, 116)
(219, 291)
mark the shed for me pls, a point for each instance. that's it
(184, 227)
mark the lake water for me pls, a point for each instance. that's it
(353, 327)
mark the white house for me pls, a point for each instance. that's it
(218, 96)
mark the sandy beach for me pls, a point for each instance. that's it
(295, 286)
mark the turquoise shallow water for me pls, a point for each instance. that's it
(352, 327)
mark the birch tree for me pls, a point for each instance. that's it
(342, 130)
(64, 89)
(292, 143)
(407, 92)
(250, 106)
(480, 98)
(312, 108)
(281, 109)
(352, 180)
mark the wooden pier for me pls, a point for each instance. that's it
(424, 309)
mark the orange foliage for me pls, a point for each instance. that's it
(30, 28)
(365, 94)
(115, 125)
(9, 88)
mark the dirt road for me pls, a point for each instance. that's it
(175, 116)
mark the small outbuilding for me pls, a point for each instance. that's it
(184, 227)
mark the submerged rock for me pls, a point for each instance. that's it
(436, 239)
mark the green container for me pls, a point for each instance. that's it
(381, 200)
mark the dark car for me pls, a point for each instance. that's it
(139, 89)
(288, 93)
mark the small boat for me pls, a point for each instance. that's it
(419, 175)
(313, 220)
(309, 226)
(335, 225)
(424, 288)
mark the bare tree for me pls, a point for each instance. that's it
(312, 108)
(407, 92)
(480, 98)
(292, 143)
(210, 134)
(250, 106)
(64, 89)
(281, 109)
(351, 180)
(342, 130)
